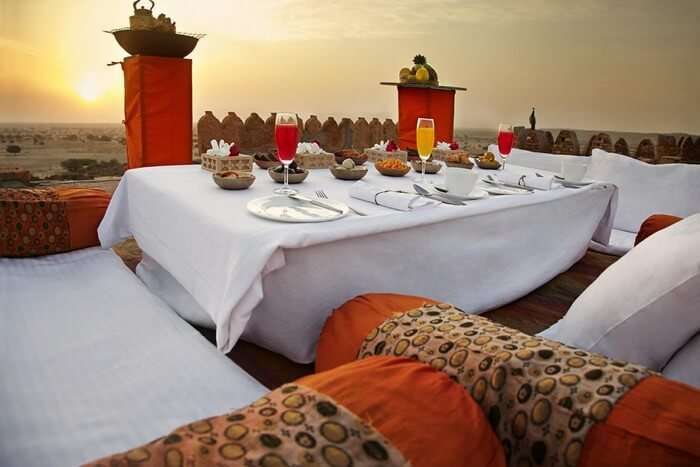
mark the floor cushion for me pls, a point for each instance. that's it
(346, 328)
(537, 160)
(653, 224)
(92, 363)
(378, 411)
(644, 307)
(646, 189)
(685, 364)
(41, 221)
(620, 243)
(655, 422)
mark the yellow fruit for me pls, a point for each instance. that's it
(422, 74)
(403, 74)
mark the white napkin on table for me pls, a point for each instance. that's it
(309, 148)
(389, 199)
(528, 180)
(381, 146)
(443, 146)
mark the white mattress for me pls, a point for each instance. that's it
(91, 363)
(620, 243)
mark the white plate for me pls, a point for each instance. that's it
(477, 193)
(283, 209)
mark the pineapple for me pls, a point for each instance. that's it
(421, 62)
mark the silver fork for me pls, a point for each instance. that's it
(322, 194)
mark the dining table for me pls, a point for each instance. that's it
(274, 283)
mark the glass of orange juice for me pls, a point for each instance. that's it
(425, 140)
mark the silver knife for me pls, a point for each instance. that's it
(320, 204)
(442, 198)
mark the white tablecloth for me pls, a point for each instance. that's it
(278, 282)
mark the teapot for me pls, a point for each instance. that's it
(143, 17)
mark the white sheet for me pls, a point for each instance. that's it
(231, 263)
(620, 243)
(91, 363)
(647, 189)
(537, 160)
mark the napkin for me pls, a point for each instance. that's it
(443, 146)
(219, 148)
(389, 199)
(381, 146)
(528, 180)
(309, 148)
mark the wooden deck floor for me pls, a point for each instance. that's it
(531, 314)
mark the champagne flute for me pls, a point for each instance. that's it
(505, 141)
(425, 140)
(286, 137)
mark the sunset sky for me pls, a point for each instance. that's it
(628, 65)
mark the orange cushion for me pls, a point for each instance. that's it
(45, 221)
(653, 224)
(656, 423)
(379, 411)
(348, 325)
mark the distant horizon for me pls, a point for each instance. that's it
(456, 128)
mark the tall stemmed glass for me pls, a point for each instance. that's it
(286, 137)
(425, 140)
(505, 141)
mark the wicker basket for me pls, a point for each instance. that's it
(449, 154)
(315, 161)
(376, 155)
(216, 164)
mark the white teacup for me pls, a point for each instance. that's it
(573, 171)
(460, 181)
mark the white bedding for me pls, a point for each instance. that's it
(91, 363)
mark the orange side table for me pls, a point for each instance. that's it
(436, 102)
(158, 111)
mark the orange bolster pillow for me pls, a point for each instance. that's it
(657, 422)
(378, 411)
(347, 327)
(653, 224)
(44, 221)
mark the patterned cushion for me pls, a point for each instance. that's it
(540, 396)
(368, 413)
(35, 222)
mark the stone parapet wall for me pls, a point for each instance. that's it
(255, 134)
(665, 150)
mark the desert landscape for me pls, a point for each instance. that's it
(66, 152)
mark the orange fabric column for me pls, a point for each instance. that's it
(415, 102)
(158, 111)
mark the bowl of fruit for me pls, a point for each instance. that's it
(488, 162)
(296, 173)
(234, 180)
(265, 160)
(348, 170)
(357, 157)
(392, 167)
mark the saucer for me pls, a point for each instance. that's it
(565, 182)
(476, 193)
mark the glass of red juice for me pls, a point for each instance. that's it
(286, 138)
(505, 141)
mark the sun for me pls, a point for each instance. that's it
(88, 88)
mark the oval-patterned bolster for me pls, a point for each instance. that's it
(380, 411)
(540, 396)
(293, 425)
